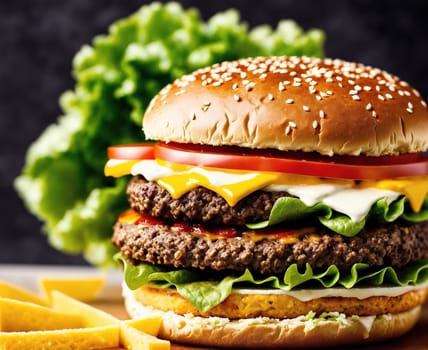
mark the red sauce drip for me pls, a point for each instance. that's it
(148, 220)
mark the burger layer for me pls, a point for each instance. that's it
(199, 204)
(393, 245)
(332, 329)
(242, 305)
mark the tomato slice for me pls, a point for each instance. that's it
(301, 163)
(131, 151)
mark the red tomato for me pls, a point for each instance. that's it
(300, 163)
(131, 151)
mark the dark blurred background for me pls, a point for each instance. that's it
(38, 39)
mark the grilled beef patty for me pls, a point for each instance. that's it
(393, 245)
(199, 204)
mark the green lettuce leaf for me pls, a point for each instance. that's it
(116, 77)
(290, 210)
(205, 293)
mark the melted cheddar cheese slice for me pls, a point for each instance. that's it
(233, 185)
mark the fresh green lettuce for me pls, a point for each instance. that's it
(205, 293)
(62, 182)
(290, 209)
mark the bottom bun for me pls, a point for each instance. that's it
(267, 333)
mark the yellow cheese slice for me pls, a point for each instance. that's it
(17, 316)
(77, 339)
(415, 189)
(119, 168)
(10, 291)
(185, 178)
(80, 288)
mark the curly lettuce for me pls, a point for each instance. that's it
(289, 209)
(205, 293)
(62, 182)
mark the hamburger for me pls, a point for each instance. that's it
(284, 204)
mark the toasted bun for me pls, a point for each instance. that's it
(272, 333)
(290, 103)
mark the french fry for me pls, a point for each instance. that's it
(10, 291)
(80, 288)
(92, 317)
(77, 339)
(69, 324)
(21, 316)
(135, 339)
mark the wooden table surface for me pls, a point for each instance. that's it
(417, 339)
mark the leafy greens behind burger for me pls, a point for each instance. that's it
(62, 181)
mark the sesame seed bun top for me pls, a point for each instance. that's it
(292, 103)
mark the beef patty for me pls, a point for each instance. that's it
(393, 245)
(199, 204)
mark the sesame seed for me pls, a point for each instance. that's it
(367, 88)
(306, 108)
(236, 98)
(218, 83)
(409, 110)
(234, 86)
(263, 76)
(312, 90)
(351, 82)
(281, 86)
(389, 96)
(322, 114)
(289, 101)
(377, 88)
(357, 87)
(353, 92)
(287, 129)
(297, 83)
(340, 85)
(250, 86)
(329, 80)
(380, 97)
(270, 97)
(356, 98)
(374, 114)
(323, 94)
(245, 81)
(369, 106)
(318, 97)
(410, 105)
(401, 92)
(392, 88)
(243, 75)
(407, 93)
(292, 124)
(424, 104)
(416, 93)
(315, 124)
(329, 92)
(204, 83)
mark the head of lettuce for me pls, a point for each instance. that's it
(62, 182)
